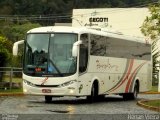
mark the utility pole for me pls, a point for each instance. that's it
(158, 77)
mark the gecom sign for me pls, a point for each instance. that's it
(94, 21)
(98, 19)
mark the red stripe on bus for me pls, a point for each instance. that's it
(131, 77)
(126, 76)
(44, 81)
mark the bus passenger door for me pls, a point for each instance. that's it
(83, 63)
(83, 59)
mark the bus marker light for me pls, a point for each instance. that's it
(38, 69)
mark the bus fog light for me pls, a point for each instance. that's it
(25, 90)
(71, 91)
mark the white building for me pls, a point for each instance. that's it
(125, 20)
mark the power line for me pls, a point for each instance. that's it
(120, 9)
(67, 16)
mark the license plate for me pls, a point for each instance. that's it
(46, 91)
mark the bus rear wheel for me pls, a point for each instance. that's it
(48, 99)
(132, 96)
(135, 92)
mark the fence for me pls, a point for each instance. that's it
(10, 78)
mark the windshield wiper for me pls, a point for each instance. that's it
(56, 68)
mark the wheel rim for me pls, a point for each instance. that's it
(93, 91)
(135, 92)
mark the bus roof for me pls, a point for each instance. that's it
(80, 30)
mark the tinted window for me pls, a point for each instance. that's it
(113, 47)
(98, 45)
(127, 49)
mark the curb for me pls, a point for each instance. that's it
(149, 93)
(142, 104)
(11, 94)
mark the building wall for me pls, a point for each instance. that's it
(125, 20)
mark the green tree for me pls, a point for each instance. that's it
(57, 10)
(155, 61)
(5, 50)
(18, 32)
(151, 29)
(15, 32)
(151, 25)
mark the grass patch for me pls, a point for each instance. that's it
(154, 89)
(6, 78)
(11, 90)
(154, 103)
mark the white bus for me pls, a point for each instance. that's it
(67, 61)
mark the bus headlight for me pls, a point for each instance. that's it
(28, 83)
(67, 83)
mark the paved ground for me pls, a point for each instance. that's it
(73, 106)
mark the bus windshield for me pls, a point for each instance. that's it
(49, 54)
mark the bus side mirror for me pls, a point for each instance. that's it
(75, 48)
(15, 47)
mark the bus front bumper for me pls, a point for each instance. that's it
(53, 91)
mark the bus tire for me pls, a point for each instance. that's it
(135, 92)
(48, 99)
(132, 96)
(94, 93)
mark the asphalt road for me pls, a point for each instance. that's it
(31, 107)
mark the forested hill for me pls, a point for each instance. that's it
(19, 16)
(61, 7)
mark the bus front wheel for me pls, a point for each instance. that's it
(94, 93)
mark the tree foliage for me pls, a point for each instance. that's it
(15, 32)
(43, 7)
(151, 29)
(151, 25)
(58, 10)
(5, 50)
